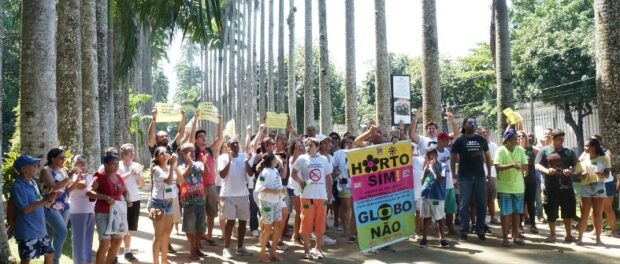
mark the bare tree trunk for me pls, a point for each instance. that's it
(231, 61)
(110, 74)
(292, 95)
(431, 89)
(382, 73)
(90, 84)
(69, 77)
(607, 19)
(308, 92)
(254, 88)
(5, 251)
(147, 64)
(325, 98)
(281, 76)
(239, 106)
(38, 78)
(117, 84)
(271, 102)
(503, 70)
(248, 88)
(262, 100)
(351, 118)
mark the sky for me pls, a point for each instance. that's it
(461, 25)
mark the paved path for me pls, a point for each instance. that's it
(490, 251)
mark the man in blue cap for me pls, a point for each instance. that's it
(30, 232)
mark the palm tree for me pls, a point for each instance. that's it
(308, 93)
(5, 251)
(262, 102)
(271, 102)
(503, 66)
(606, 20)
(68, 76)
(382, 72)
(38, 78)
(292, 96)
(431, 90)
(281, 76)
(105, 111)
(90, 103)
(350, 83)
(325, 103)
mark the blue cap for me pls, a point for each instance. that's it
(508, 133)
(109, 157)
(25, 160)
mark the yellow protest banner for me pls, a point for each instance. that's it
(207, 111)
(275, 120)
(229, 129)
(513, 117)
(168, 112)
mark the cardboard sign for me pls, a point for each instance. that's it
(275, 120)
(168, 112)
(229, 129)
(207, 111)
(382, 184)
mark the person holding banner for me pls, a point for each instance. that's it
(313, 173)
(160, 139)
(433, 197)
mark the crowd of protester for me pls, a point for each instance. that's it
(264, 181)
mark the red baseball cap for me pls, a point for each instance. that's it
(443, 136)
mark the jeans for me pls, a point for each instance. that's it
(472, 186)
(530, 198)
(57, 228)
(253, 212)
(82, 229)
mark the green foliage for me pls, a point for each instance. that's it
(137, 121)
(160, 85)
(11, 42)
(16, 138)
(9, 173)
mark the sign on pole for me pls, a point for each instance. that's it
(168, 112)
(382, 185)
(207, 111)
(275, 120)
(401, 96)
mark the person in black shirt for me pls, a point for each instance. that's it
(530, 181)
(557, 164)
(161, 138)
(471, 151)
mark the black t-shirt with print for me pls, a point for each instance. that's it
(471, 151)
(558, 159)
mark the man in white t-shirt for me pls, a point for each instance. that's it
(423, 142)
(234, 201)
(313, 173)
(491, 188)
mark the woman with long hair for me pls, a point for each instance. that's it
(594, 171)
(54, 177)
(162, 196)
(270, 190)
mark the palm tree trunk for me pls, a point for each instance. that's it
(69, 78)
(431, 89)
(231, 60)
(5, 251)
(351, 118)
(254, 88)
(102, 72)
(239, 106)
(262, 100)
(503, 67)
(382, 72)
(607, 19)
(292, 95)
(308, 92)
(248, 88)
(281, 76)
(38, 78)
(271, 102)
(90, 84)
(325, 101)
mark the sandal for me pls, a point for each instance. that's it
(569, 239)
(276, 258)
(550, 239)
(534, 230)
(505, 243)
(519, 242)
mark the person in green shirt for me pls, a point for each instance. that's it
(511, 165)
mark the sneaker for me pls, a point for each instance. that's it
(282, 246)
(482, 237)
(533, 230)
(255, 233)
(444, 243)
(494, 221)
(413, 237)
(171, 249)
(316, 254)
(130, 257)
(463, 236)
(328, 241)
(227, 254)
(423, 243)
(351, 240)
(244, 252)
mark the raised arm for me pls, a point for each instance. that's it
(179, 136)
(414, 126)
(290, 129)
(192, 130)
(452, 121)
(359, 140)
(259, 136)
(151, 131)
(219, 138)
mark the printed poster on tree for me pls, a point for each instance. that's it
(382, 185)
(401, 93)
(168, 112)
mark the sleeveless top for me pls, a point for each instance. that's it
(61, 203)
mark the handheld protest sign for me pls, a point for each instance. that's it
(229, 129)
(168, 112)
(207, 111)
(275, 120)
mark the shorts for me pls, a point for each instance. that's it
(432, 208)
(133, 214)
(346, 193)
(164, 205)
(291, 192)
(510, 203)
(211, 204)
(418, 204)
(491, 188)
(610, 188)
(270, 212)
(101, 221)
(450, 202)
(34, 248)
(176, 211)
(312, 217)
(594, 190)
(286, 202)
(235, 207)
(563, 198)
(194, 217)
(335, 193)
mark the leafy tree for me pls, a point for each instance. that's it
(554, 56)
(11, 59)
(160, 85)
